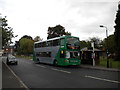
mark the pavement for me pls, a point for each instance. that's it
(11, 80)
(100, 68)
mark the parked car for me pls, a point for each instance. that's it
(11, 60)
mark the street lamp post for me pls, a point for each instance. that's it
(106, 44)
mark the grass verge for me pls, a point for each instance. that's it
(112, 63)
(25, 57)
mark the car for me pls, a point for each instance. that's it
(11, 60)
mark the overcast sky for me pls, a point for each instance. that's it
(80, 17)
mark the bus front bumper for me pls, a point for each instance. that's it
(71, 62)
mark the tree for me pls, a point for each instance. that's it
(68, 33)
(96, 41)
(87, 43)
(111, 44)
(56, 31)
(27, 37)
(17, 45)
(26, 46)
(84, 44)
(37, 38)
(7, 32)
(117, 34)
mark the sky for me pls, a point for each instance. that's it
(80, 17)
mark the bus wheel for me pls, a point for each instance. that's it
(55, 62)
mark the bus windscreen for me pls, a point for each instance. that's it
(73, 43)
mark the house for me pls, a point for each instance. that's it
(8, 50)
(1, 52)
(87, 55)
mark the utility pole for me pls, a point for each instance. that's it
(106, 44)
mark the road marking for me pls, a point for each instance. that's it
(41, 66)
(97, 78)
(17, 77)
(60, 70)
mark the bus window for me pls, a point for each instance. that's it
(36, 45)
(62, 42)
(39, 44)
(43, 44)
(49, 43)
(45, 54)
(56, 42)
(73, 43)
(37, 54)
(48, 54)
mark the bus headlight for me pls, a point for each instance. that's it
(78, 53)
(67, 54)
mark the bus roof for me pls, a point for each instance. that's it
(55, 38)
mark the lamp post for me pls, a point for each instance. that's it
(106, 44)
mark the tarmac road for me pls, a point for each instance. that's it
(48, 76)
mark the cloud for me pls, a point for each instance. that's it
(2, 6)
(80, 17)
(89, 15)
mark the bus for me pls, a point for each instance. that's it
(63, 51)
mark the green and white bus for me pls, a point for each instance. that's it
(64, 50)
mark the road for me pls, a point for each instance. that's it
(48, 76)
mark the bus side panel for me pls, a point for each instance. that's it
(48, 60)
(58, 58)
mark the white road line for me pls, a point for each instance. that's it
(60, 70)
(41, 66)
(97, 78)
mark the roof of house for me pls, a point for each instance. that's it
(90, 49)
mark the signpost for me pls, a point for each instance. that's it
(93, 54)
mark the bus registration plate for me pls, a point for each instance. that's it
(73, 61)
